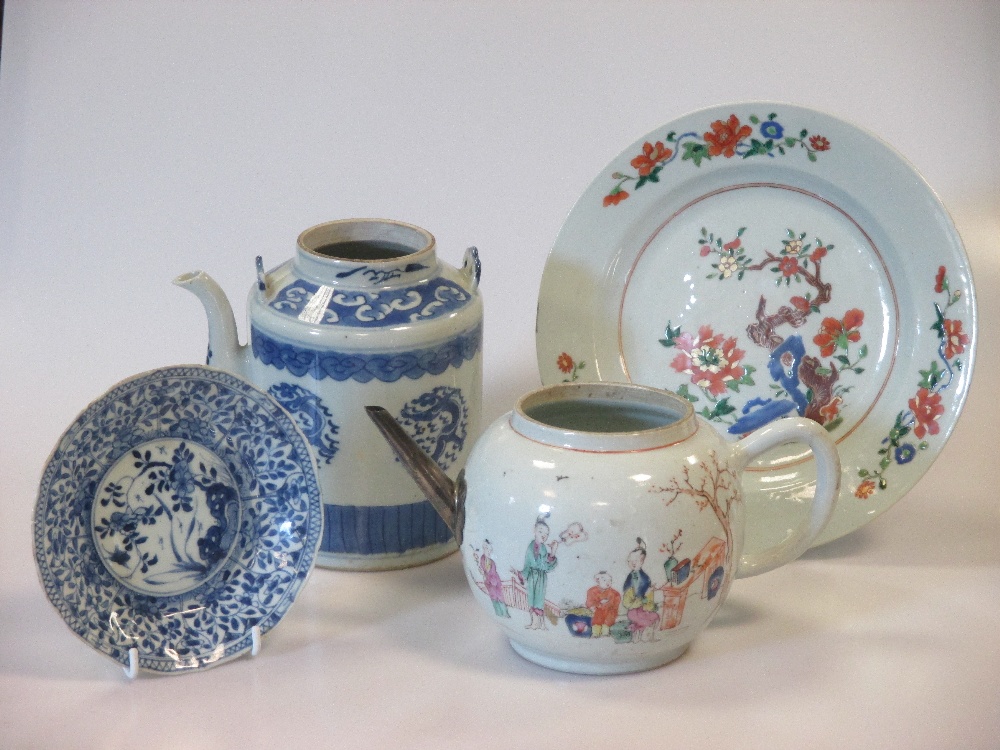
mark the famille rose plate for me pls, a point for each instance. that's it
(178, 513)
(765, 260)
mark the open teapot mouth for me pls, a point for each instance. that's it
(604, 417)
(364, 240)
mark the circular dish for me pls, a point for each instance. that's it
(177, 512)
(765, 260)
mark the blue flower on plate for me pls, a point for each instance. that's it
(905, 453)
(771, 129)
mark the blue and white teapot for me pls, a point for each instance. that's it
(364, 313)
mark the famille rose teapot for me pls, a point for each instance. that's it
(364, 313)
(602, 524)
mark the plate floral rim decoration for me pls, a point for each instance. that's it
(728, 147)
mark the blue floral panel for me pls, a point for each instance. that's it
(178, 512)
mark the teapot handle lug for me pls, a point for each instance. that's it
(261, 276)
(472, 267)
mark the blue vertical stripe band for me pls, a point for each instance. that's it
(381, 529)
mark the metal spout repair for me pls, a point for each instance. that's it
(447, 496)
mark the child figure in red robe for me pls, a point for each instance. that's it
(604, 602)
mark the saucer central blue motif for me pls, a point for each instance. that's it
(178, 512)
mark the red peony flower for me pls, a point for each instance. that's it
(835, 334)
(831, 410)
(940, 280)
(789, 266)
(800, 303)
(865, 489)
(709, 358)
(818, 254)
(615, 197)
(819, 143)
(726, 136)
(954, 340)
(565, 363)
(705, 250)
(732, 244)
(926, 408)
(651, 155)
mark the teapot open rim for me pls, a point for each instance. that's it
(604, 417)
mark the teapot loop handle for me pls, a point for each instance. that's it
(823, 502)
(472, 267)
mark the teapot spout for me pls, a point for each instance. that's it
(447, 496)
(224, 350)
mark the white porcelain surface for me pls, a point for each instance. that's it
(605, 549)
(764, 260)
(330, 334)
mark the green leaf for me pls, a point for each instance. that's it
(931, 377)
(939, 325)
(804, 133)
(754, 119)
(824, 371)
(723, 407)
(670, 334)
(672, 136)
(831, 426)
(863, 473)
(684, 392)
(812, 156)
(882, 484)
(772, 116)
(858, 370)
(696, 152)
(757, 148)
(843, 360)
(641, 181)
(884, 463)
(864, 351)
(789, 141)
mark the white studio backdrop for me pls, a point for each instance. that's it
(140, 140)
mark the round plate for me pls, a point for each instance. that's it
(765, 260)
(178, 511)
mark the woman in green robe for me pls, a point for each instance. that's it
(539, 559)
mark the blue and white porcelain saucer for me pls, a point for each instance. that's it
(177, 513)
